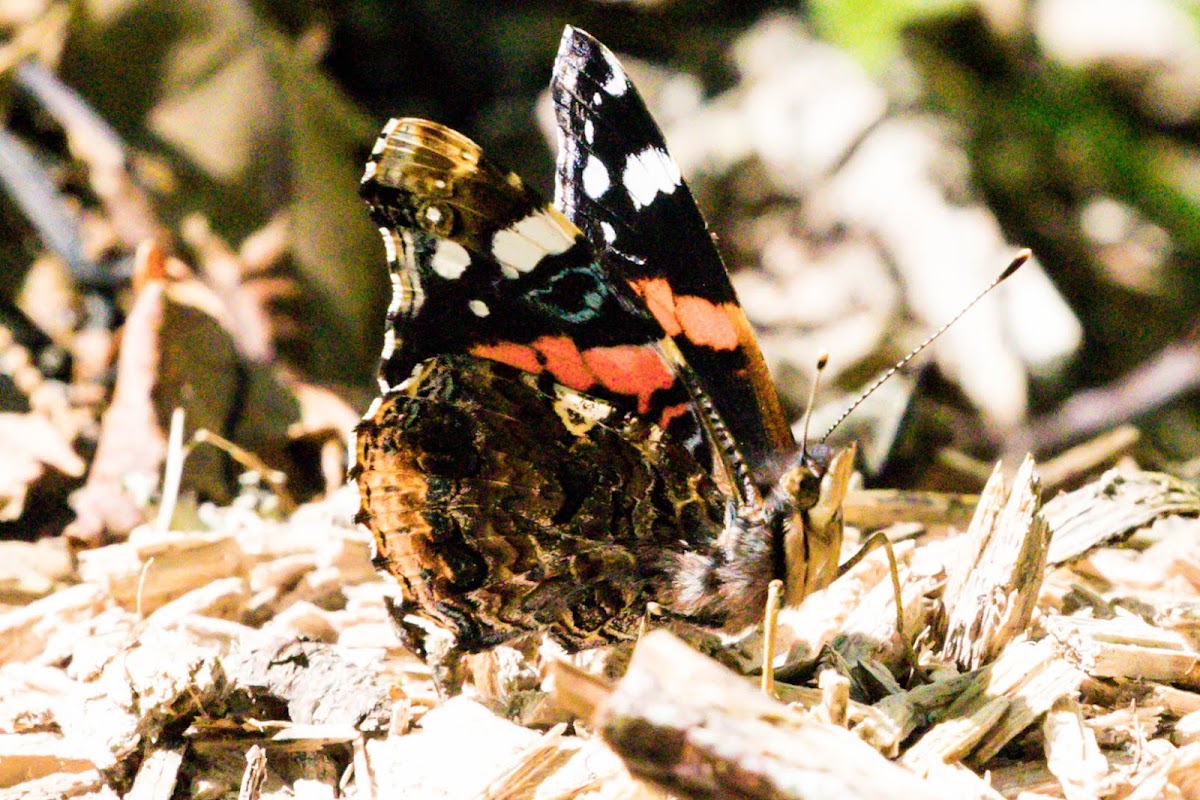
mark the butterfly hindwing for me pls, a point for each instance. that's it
(616, 181)
(482, 265)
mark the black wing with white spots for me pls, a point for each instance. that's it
(616, 181)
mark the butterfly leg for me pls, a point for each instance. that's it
(875, 541)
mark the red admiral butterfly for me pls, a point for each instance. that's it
(576, 419)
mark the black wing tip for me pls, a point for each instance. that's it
(578, 44)
(572, 34)
(567, 44)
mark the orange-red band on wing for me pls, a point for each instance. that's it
(672, 412)
(661, 302)
(562, 358)
(703, 322)
(707, 324)
(634, 370)
(521, 356)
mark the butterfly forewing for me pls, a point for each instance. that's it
(616, 181)
(482, 265)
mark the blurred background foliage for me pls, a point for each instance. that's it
(1078, 120)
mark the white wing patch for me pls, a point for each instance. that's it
(479, 308)
(374, 407)
(595, 178)
(397, 294)
(389, 245)
(450, 260)
(647, 173)
(578, 412)
(589, 131)
(383, 136)
(389, 344)
(521, 247)
(618, 83)
(610, 233)
(408, 295)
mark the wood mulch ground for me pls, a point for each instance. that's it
(1058, 652)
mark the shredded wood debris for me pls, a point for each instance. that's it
(257, 657)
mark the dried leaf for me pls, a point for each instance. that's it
(29, 443)
(177, 351)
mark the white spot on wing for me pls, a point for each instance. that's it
(397, 295)
(383, 136)
(610, 233)
(389, 343)
(522, 246)
(589, 131)
(369, 171)
(450, 260)
(647, 173)
(373, 408)
(389, 245)
(618, 83)
(577, 412)
(479, 308)
(595, 178)
(433, 216)
(596, 99)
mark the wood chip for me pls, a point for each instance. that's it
(30, 756)
(1187, 730)
(416, 765)
(1072, 753)
(157, 776)
(872, 509)
(987, 708)
(1185, 772)
(62, 785)
(685, 722)
(1127, 647)
(29, 570)
(25, 631)
(319, 684)
(991, 590)
(1112, 507)
(138, 693)
(224, 597)
(255, 774)
(151, 569)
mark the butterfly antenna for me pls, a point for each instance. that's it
(822, 362)
(1020, 258)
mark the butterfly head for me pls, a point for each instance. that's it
(805, 510)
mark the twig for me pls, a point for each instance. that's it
(770, 627)
(172, 472)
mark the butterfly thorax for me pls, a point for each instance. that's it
(794, 534)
